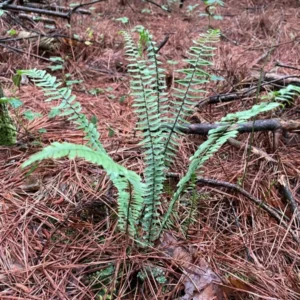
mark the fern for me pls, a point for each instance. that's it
(216, 138)
(286, 94)
(123, 179)
(137, 201)
(68, 106)
(146, 84)
(148, 88)
(188, 87)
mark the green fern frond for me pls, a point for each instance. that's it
(159, 78)
(129, 213)
(119, 175)
(147, 85)
(189, 87)
(68, 106)
(216, 138)
(286, 94)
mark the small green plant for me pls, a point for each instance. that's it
(191, 8)
(58, 63)
(96, 91)
(160, 119)
(155, 272)
(8, 131)
(100, 279)
(123, 20)
(146, 11)
(130, 203)
(210, 10)
(12, 32)
(285, 95)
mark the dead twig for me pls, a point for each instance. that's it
(62, 15)
(23, 52)
(280, 79)
(258, 125)
(81, 5)
(58, 8)
(5, 3)
(289, 197)
(36, 19)
(278, 216)
(36, 10)
(269, 80)
(279, 64)
(162, 43)
(254, 150)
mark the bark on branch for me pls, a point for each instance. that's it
(36, 10)
(62, 15)
(280, 79)
(267, 80)
(258, 125)
(290, 198)
(57, 8)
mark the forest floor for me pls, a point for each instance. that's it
(58, 233)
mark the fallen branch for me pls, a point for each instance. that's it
(76, 8)
(280, 79)
(289, 197)
(62, 15)
(253, 149)
(258, 125)
(278, 216)
(5, 3)
(268, 80)
(220, 98)
(36, 10)
(57, 8)
(161, 44)
(36, 19)
(279, 64)
(23, 52)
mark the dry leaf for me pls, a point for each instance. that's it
(200, 282)
(239, 284)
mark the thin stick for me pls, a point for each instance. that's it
(279, 217)
(161, 44)
(21, 51)
(253, 149)
(289, 197)
(279, 64)
(245, 92)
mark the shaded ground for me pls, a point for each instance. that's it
(58, 225)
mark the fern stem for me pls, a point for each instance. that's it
(157, 90)
(180, 110)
